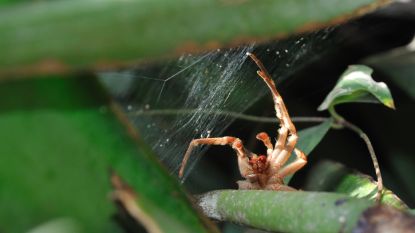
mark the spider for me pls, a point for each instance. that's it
(260, 171)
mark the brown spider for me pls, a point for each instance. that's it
(260, 171)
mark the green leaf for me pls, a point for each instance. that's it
(57, 36)
(308, 139)
(61, 225)
(61, 137)
(334, 177)
(356, 85)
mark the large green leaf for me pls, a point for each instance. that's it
(56, 36)
(60, 140)
(356, 85)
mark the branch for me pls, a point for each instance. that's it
(301, 211)
(241, 116)
(343, 122)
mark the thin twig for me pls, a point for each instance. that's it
(158, 112)
(343, 122)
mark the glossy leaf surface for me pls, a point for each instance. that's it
(59, 36)
(357, 85)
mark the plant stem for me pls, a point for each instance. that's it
(343, 122)
(247, 117)
(303, 211)
(285, 211)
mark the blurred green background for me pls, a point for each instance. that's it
(79, 78)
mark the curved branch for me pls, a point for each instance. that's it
(343, 122)
(302, 211)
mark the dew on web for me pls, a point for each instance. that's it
(198, 96)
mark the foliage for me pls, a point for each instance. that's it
(58, 36)
(309, 138)
(73, 162)
(356, 85)
(334, 177)
(63, 136)
(277, 211)
(399, 65)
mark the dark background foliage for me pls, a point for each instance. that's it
(391, 131)
(66, 128)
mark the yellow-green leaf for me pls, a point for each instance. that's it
(357, 85)
(309, 138)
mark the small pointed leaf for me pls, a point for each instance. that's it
(356, 85)
(308, 139)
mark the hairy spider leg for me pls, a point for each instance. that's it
(285, 143)
(296, 165)
(236, 144)
(267, 142)
(280, 109)
(280, 143)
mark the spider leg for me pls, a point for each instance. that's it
(280, 143)
(235, 143)
(267, 142)
(287, 134)
(281, 158)
(276, 181)
(296, 165)
(280, 109)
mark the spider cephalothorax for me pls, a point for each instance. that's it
(260, 171)
(259, 164)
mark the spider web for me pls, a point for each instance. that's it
(197, 96)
